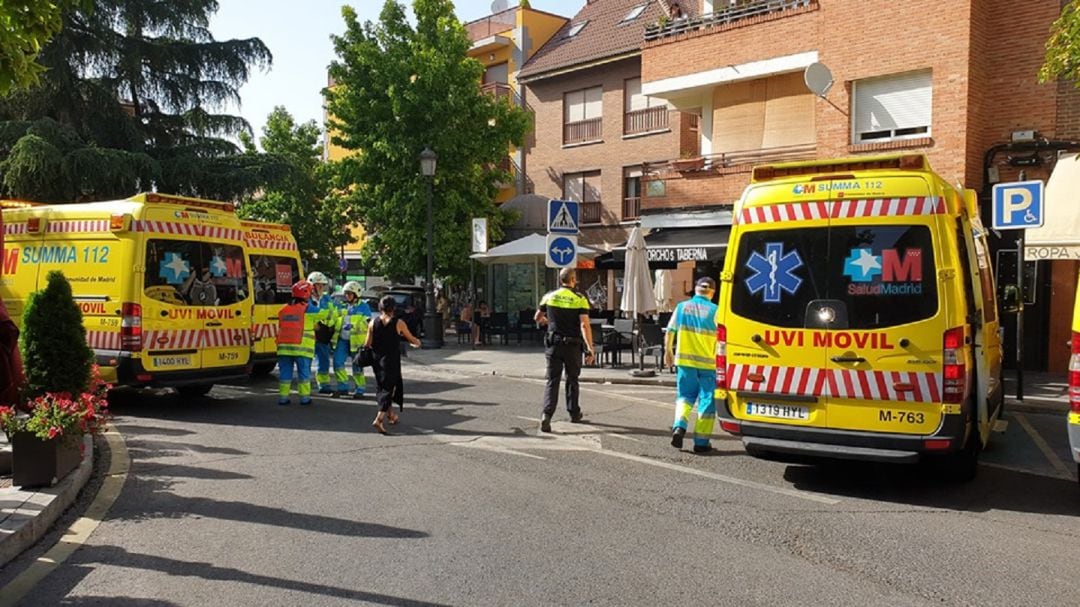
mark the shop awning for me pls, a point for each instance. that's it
(530, 249)
(665, 248)
(1059, 237)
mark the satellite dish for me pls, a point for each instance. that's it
(818, 79)
(499, 6)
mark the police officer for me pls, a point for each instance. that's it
(566, 314)
(693, 327)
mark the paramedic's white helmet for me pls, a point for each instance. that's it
(318, 278)
(352, 287)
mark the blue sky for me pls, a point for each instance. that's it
(298, 35)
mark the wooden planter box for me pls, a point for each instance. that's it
(688, 164)
(39, 462)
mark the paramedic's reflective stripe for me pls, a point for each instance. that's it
(682, 359)
(78, 226)
(840, 209)
(694, 323)
(196, 338)
(186, 229)
(271, 245)
(837, 383)
(701, 330)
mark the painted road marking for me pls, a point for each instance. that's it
(567, 439)
(1043, 446)
(79, 531)
(585, 428)
(1044, 474)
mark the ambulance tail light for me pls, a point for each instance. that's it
(131, 336)
(1074, 374)
(721, 357)
(953, 370)
(119, 222)
(730, 426)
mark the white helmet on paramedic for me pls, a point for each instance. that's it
(318, 278)
(352, 287)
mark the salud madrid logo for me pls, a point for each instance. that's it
(890, 273)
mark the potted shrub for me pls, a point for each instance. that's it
(688, 162)
(63, 398)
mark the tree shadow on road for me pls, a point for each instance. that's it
(920, 485)
(86, 560)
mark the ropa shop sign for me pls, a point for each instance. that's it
(1041, 253)
(678, 254)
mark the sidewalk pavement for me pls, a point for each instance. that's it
(1043, 392)
(26, 516)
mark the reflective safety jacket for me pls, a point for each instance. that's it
(296, 331)
(564, 308)
(325, 312)
(352, 325)
(694, 326)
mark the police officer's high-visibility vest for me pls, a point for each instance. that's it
(563, 307)
(296, 331)
(356, 318)
(694, 322)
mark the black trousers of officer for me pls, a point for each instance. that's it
(564, 355)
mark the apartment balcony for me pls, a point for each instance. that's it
(491, 32)
(583, 131)
(499, 90)
(631, 208)
(740, 12)
(648, 120)
(592, 212)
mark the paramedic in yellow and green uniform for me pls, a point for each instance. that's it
(692, 331)
(351, 328)
(325, 311)
(296, 345)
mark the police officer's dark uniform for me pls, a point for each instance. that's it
(564, 345)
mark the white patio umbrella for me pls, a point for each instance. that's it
(638, 295)
(664, 291)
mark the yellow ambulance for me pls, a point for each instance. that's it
(1074, 382)
(857, 316)
(162, 281)
(274, 262)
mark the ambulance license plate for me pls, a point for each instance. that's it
(172, 361)
(778, 411)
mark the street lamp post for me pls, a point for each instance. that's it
(433, 330)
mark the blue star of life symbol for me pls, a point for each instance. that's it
(862, 265)
(774, 272)
(218, 267)
(174, 269)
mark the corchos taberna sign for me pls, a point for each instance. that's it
(678, 254)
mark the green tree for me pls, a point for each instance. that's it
(305, 197)
(54, 348)
(1063, 47)
(137, 82)
(26, 26)
(398, 89)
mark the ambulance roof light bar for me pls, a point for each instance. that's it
(906, 162)
(153, 197)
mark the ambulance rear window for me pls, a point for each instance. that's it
(186, 273)
(273, 278)
(874, 276)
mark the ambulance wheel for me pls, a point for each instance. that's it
(262, 369)
(961, 467)
(194, 390)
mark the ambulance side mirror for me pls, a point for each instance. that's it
(1010, 299)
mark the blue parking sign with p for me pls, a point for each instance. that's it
(1018, 205)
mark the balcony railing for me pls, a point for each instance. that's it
(591, 212)
(499, 90)
(631, 208)
(583, 131)
(732, 14)
(725, 160)
(645, 121)
(492, 25)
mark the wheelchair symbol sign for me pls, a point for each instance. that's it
(1018, 205)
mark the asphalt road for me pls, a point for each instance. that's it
(232, 500)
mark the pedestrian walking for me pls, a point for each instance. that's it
(691, 342)
(351, 328)
(384, 339)
(565, 311)
(296, 344)
(325, 315)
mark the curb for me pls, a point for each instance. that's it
(35, 518)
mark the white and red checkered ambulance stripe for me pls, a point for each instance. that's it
(196, 338)
(841, 209)
(837, 383)
(273, 245)
(265, 330)
(14, 228)
(103, 340)
(78, 226)
(187, 229)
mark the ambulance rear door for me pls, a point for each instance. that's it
(274, 263)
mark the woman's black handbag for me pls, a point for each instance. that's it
(365, 358)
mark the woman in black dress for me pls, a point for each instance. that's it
(384, 339)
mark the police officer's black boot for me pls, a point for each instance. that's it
(545, 423)
(677, 436)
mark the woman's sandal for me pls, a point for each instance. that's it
(393, 419)
(378, 425)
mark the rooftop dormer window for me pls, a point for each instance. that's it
(634, 13)
(576, 28)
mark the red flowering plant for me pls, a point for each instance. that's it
(61, 414)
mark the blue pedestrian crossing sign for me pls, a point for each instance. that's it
(1018, 205)
(561, 251)
(563, 216)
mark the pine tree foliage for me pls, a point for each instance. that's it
(54, 348)
(144, 78)
(400, 88)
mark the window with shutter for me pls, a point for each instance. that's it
(892, 107)
(582, 115)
